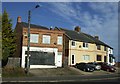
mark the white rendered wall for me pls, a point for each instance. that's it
(24, 48)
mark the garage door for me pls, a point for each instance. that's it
(42, 58)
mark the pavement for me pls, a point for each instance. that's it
(65, 71)
(74, 78)
(72, 75)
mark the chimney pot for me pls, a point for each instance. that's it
(19, 19)
(77, 29)
(97, 37)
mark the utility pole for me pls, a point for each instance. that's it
(28, 45)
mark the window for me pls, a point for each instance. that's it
(86, 57)
(73, 43)
(98, 47)
(59, 53)
(105, 58)
(99, 58)
(105, 48)
(34, 38)
(46, 39)
(59, 40)
(85, 45)
(73, 59)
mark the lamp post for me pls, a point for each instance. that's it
(28, 45)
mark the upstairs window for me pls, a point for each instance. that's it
(46, 39)
(85, 45)
(59, 40)
(105, 48)
(34, 38)
(98, 47)
(73, 43)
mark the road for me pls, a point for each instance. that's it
(74, 78)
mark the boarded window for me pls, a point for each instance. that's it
(42, 58)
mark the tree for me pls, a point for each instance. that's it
(0, 36)
(8, 37)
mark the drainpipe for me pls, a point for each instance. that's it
(70, 53)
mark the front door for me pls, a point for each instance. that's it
(59, 59)
(105, 59)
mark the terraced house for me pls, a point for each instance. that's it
(82, 47)
(58, 47)
(46, 45)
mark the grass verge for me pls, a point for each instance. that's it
(14, 72)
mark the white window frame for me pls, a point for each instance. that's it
(86, 45)
(73, 45)
(59, 40)
(84, 57)
(72, 60)
(34, 38)
(44, 37)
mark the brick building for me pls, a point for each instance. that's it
(46, 45)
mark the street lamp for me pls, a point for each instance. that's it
(28, 45)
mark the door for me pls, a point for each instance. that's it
(59, 59)
(105, 59)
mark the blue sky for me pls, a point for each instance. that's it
(94, 18)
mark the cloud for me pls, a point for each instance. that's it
(98, 19)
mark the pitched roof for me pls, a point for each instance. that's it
(83, 37)
(96, 40)
(24, 24)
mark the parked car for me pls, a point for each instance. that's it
(107, 67)
(95, 65)
(84, 67)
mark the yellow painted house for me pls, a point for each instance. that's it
(81, 47)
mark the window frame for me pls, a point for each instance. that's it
(74, 43)
(99, 59)
(44, 38)
(34, 37)
(105, 48)
(84, 57)
(58, 40)
(85, 45)
(98, 47)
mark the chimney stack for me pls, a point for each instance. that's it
(77, 29)
(19, 19)
(97, 37)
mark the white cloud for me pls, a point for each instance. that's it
(104, 22)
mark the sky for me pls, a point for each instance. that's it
(94, 18)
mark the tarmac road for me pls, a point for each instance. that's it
(74, 78)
